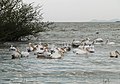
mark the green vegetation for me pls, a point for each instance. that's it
(18, 19)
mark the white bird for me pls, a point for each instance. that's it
(15, 54)
(110, 43)
(114, 54)
(99, 40)
(31, 47)
(90, 49)
(56, 54)
(39, 50)
(75, 43)
(12, 48)
(80, 51)
(24, 54)
(45, 54)
(66, 47)
(86, 41)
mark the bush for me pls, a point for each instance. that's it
(18, 19)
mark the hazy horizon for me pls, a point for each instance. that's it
(79, 10)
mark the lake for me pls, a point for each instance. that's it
(93, 68)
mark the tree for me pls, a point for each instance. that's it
(19, 19)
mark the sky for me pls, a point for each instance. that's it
(78, 10)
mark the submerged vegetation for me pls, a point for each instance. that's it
(18, 19)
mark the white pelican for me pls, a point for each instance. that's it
(75, 43)
(90, 49)
(86, 41)
(31, 47)
(80, 51)
(56, 54)
(99, 40)
(12, 48)
(47, 54)
(114, 54)
(42, 51)
(24, 54)
(39, 50)
(110, 43)
(15, 54)
(66, 47)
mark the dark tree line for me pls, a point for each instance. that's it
(18, 19)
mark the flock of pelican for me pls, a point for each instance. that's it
(43, 50)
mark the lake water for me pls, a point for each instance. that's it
(95, 68)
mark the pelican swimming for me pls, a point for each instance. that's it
(12, 48)
(99, 40)
(46, 54)
(31, 47)
(75, 43)
(39, 49)
(80, 50)
(24, 53)
(114, 54)
(110, 43)
(86, 41)
(66, 47)
(56, 54)
(16, 54)
(53, 53)
(90, 48)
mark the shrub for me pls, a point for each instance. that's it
(19, 19)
